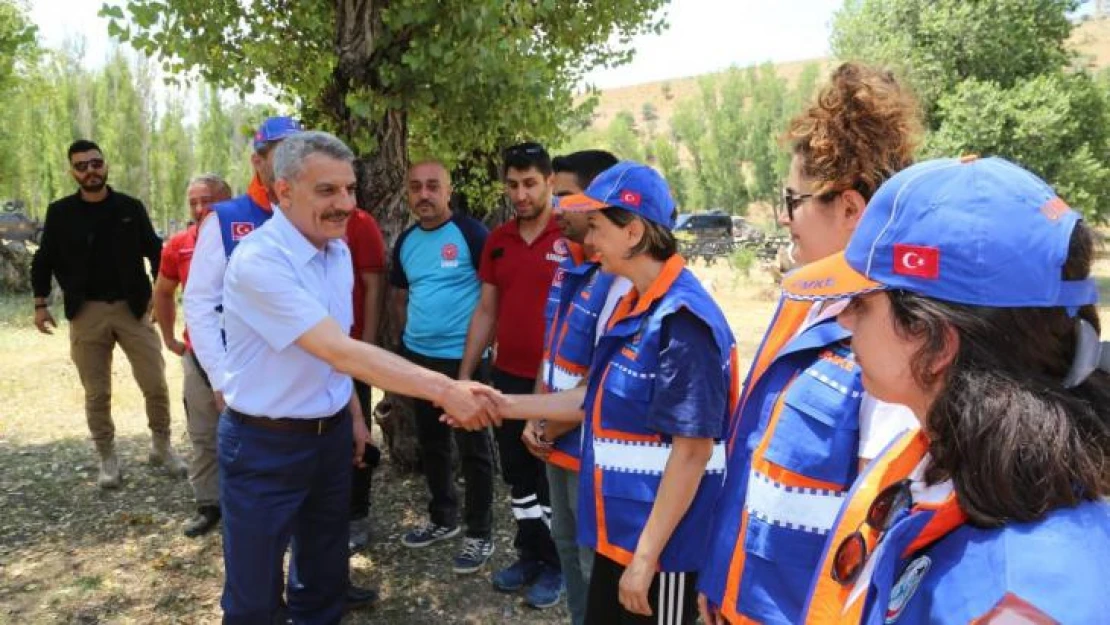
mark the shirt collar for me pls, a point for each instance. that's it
(300, 249)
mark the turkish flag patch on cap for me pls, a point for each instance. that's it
(918, 261)
(630, 198)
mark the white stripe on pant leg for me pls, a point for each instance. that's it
(674, 595)
(527, 499)
(530, 512)
(659, 602)
(681, 597)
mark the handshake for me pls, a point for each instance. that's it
(473, 406)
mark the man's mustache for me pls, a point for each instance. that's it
(336, 215)
(423, 203)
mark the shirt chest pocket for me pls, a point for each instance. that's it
(817, 433)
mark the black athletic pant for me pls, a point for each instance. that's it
(362, 477)
(673, 597)
(475, 454)
(526, 476)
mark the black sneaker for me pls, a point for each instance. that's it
(429, 534)
(475, 553)
(206, 519)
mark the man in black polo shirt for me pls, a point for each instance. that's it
(94, 242)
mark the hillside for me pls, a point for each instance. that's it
(1091, 40)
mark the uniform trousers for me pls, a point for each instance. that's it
(673, 597)
(278, 487)
(526, 476)
(201, 418)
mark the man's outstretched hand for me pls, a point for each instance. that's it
(470, 405)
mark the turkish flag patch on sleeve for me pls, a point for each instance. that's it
(918, 261)
(240, 229)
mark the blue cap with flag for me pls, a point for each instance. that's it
(983, 232)
(633, 186)
(275, 129)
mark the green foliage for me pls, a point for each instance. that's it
(995, 78)
(471, 75)
(722, 147)
(742, 261)
(939, 43)
(147, 141)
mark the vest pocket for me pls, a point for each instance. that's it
(817, 434)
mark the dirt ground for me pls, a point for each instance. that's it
(70, 553)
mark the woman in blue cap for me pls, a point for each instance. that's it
(660, 391)
(974, 306)
(805, 425)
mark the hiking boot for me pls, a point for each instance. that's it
(206, 519)
(429, 534)
(109, 466)
(163, 455)
(359, 535)
(547, 590)
(475, 553)
(517, 575)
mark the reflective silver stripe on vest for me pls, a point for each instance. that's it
(650, 458)
(559, 378)
(810, 510)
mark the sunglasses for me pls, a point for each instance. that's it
(852, 553)
(789, 202)
(525, 148)
(92, 163)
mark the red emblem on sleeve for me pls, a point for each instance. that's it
(240, 229)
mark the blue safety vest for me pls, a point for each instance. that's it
(792, 456)
(239, 216)
(622, 459)
(575, 300)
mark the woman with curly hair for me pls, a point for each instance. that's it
(805, 425)
(973, 305)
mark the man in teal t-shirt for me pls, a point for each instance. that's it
(435, 289)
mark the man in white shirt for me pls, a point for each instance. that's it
(286, 436)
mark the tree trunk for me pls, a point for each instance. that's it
(381, 179)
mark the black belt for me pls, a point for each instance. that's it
(301, 426)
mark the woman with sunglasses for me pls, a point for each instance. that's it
(805, 425)
(974, 306)
(659, 393)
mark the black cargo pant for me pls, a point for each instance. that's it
(475, 454)
(526, 476)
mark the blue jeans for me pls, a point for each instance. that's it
(277, 487)
(577, 561)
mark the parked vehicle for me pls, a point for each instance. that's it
(16, 226)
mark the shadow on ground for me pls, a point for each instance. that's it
(71, 553)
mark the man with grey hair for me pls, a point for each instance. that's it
(201, 413)
(285, 440)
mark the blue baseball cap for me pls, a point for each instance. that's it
(275, 129)
(982, 232)
(633, 186)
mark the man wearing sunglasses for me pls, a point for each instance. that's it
(94, 243)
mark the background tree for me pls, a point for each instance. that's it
(995, 77)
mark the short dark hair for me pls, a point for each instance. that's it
(525, 156)
(1014, 441)
(585, 165)
(82, 145)
(658, 242)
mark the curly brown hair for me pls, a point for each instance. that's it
(861, 129)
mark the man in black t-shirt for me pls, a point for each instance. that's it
(94, 243)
